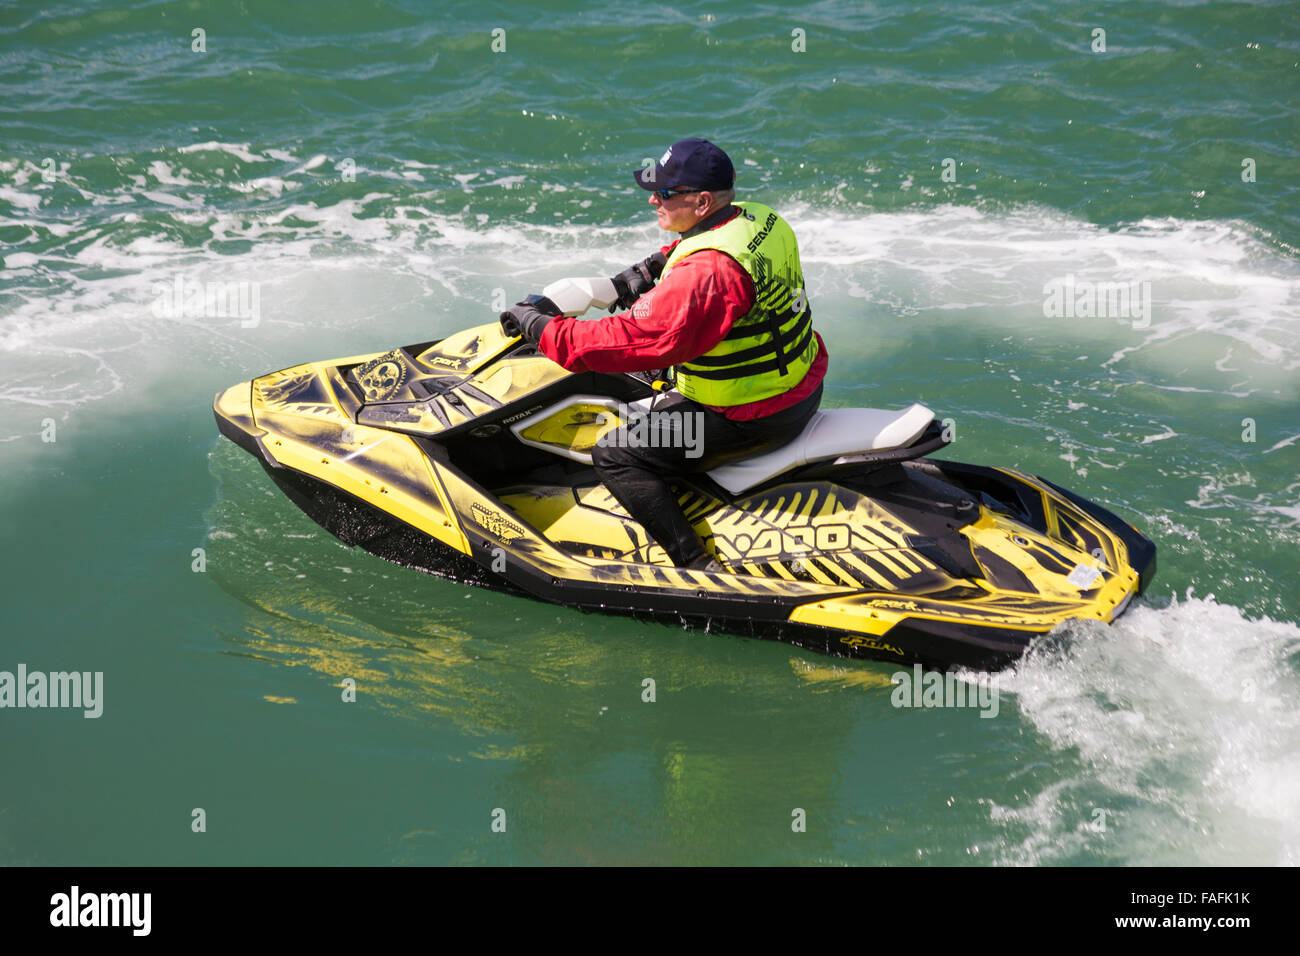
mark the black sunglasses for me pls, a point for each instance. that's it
(670, 193)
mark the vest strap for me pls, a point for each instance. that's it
(776, 345)
(743, 371)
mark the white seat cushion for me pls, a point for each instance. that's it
(829, 434)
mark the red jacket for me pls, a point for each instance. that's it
(680, 319)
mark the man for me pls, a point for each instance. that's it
(729, 311)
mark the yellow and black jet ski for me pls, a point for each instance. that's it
(469, 458)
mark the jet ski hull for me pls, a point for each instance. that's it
(920, 561)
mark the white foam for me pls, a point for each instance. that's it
(1214, 284)
(1167, 433)
(270, 184)
(312, 163)
(163, 173)
(239, 150)
(20, 199)
(1292, 512)
(1284, 443)
(167, 199)
(1182, 723)
(937, 266)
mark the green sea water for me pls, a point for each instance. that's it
(383, 174)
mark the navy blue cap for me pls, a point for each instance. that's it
(695, 163)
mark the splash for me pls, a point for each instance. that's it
(1179, 733)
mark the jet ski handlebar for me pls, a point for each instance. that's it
(576, 296)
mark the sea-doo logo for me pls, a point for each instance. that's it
(792, 542)
(496, 523)
(762, 233)
(382, 377)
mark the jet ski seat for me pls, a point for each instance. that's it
(829, 434)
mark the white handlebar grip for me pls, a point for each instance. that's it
(576, 296)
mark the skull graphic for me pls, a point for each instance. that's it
(382, 379)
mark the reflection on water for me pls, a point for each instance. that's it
(709, 771)
(539, 710)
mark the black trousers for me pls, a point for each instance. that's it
(636, 472)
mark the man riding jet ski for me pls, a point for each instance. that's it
(477, 458)
(730, 312)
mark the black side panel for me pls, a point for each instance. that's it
(360, 524)
(943, 644)
(238, 435)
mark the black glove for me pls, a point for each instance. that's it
(635, 281)
(529, 317)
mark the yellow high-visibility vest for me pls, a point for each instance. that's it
(768, 350)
